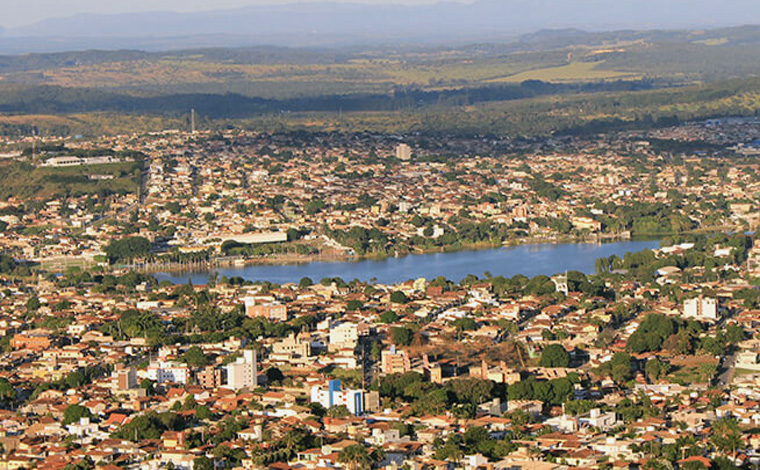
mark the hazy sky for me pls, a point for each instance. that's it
(19, 13)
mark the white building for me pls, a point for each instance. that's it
(403, 152)
(70, 160)
(331, 394)
(599, 420)
(243, 373)
(437, 231)
(564, 423)
(346, 335)
(83, 428)
(168, 371)
(702, 309)
(63, 161)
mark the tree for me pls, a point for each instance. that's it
(451, 449)
(399, 297)
(314, 206)
(202, 412)
(680, 343)
(150, 426)
(353, 305)
(7, 264)
(7, 392)
(464, 324)
(388, 316)
(274, 376)
(140, 324)
(554, 355)
(85, 464)
(189, 403)
(356, 457)
(195, 357)
(621, 367)
(656, 369)
(651, 334)
(471, 390)
(735, 334)
(401, 336)
(726, 435)
(148, 385)
(74, 413)
(376, 351)
(338, 411)
(127, 249)
(33, 304)
(713, 345)
(722, 463)
(228, 456)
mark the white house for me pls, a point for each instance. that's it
(597, 419)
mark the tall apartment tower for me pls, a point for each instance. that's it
(126, 379)
(403, 152)
(243, 373)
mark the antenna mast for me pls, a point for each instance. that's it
(34, 145)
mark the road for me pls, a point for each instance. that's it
(727, 370)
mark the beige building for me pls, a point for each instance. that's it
(243, 373)
(395, 362)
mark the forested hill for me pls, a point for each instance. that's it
(544, 83)
(19, 99)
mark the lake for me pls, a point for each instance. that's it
(529, 260)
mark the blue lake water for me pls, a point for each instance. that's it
(529, 260)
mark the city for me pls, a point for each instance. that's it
(417, 235)
(104, 365)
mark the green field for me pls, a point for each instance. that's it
(573, 72)
(22, 180)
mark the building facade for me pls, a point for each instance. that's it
(243, 373)
(331, 394)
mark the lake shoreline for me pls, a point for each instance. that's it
(297, 260)
(528, 259)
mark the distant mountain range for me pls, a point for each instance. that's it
(328, 24)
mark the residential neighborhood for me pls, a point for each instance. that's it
(648, 361)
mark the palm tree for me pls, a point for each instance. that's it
(356, 457)
(727, 436)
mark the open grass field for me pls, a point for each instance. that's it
(22, 180)
(294, 80)
(573, 72)
(87, 124)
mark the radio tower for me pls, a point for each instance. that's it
(34, 146)
(192, 121)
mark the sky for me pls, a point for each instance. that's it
(25, 12)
